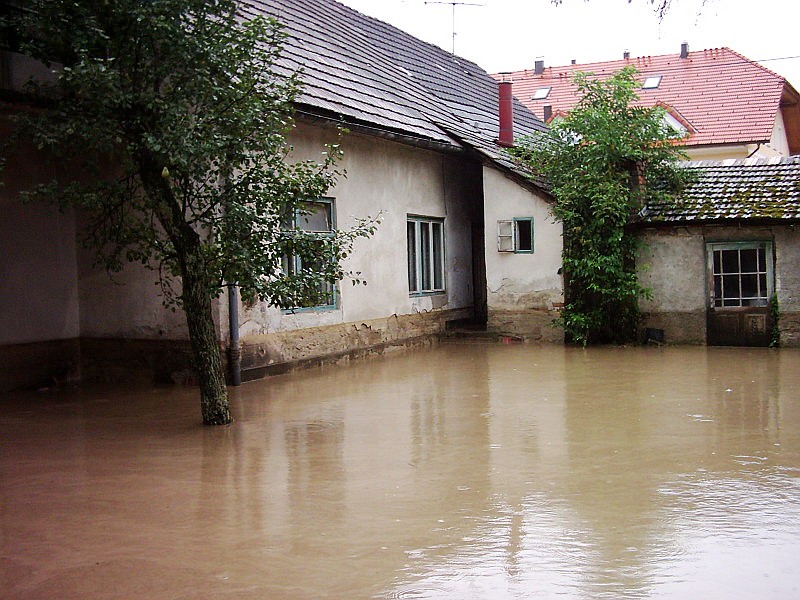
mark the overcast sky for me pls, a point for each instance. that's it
(509, 35)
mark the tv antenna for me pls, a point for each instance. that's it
(453, 5)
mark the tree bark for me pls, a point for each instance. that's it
(196, 294)
(207, 357)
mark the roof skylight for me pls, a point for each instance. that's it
(541, 93)
(651, 82)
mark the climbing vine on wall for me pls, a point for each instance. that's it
(604, 161)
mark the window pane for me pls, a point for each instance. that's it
(524, 232)
(717, 261)
(287, 264)
(717, 287)
(730, 286)
(749, 259)
(425, 247)
(762, 260)
(505, 236)
(749, 286)
(412, 256)
(730, 261)
(762, 285)
(425, 240)
(315, 216)
(438, 255)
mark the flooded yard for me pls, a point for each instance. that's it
(468, 471)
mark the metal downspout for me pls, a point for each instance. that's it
(234, 354)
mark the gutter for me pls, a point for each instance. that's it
(339, 120)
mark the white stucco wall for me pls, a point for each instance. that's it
(125, 305)
(394, 180)
(779, 142)
(38, 276)
(521, 280)
(38, 287)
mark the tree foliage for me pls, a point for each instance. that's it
(660, 7)
(175, 115)
(604, 161)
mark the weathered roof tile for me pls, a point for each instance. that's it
(367, 71)
(732, 190)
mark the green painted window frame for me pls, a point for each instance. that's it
(295, 263)
(519, 224)
(425, 243)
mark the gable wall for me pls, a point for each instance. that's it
(524, 290)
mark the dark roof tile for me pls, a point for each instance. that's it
(732, 190)
(369, 71)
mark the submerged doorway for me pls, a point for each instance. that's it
(740, 286)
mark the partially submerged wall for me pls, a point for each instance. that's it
(673, 264)
(38, 281)
(524, 290)
(395, 181)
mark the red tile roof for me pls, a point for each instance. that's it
(724, 97)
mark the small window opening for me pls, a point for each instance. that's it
(515, 235)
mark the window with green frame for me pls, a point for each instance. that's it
(425, 239)
(315, 217)
(515, 235)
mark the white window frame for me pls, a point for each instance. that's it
(425, 241)
(726, 289)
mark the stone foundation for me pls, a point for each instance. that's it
(117, 361)
(678, 327)
(532, 324)
(789, 327)
(288, 350)
(39, 364)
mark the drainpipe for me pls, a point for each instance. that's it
(234, 355)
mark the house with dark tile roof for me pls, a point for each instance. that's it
(726, 105)
(464, 233)
(724, 260)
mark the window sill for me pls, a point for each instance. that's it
(424, 294)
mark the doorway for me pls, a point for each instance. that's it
(740, 287)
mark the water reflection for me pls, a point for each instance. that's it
(469, 471)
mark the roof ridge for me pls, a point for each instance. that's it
(645, 61)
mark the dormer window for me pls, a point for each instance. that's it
(541, 93)
(651, 83)
(675, 125)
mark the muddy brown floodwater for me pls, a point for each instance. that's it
(468, 471)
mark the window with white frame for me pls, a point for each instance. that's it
(425, 239)
(741, 273)
(515, 235)
(315, 217)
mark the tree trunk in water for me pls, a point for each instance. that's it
(207, 358)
